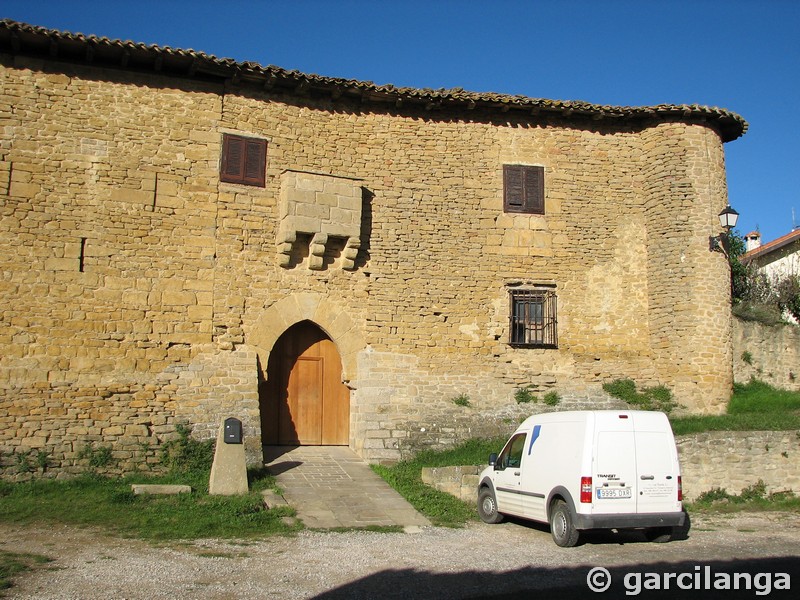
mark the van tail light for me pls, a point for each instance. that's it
(680, 489)
(586, 490)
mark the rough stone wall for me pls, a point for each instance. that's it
(734, 460)
(688, 288)
(769, 353)
(128, 266)
(728, 460)
(109, 237)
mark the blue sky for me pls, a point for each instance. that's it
(734, 54)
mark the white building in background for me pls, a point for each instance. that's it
(778, 258)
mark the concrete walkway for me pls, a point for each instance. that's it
(331, 486)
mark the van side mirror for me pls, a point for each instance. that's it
(492, 459)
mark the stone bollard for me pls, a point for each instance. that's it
(229, 470)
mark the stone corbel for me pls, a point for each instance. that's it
(316, 249)
(350, 253)
(286, 241)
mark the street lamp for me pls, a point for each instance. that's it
(727, 220)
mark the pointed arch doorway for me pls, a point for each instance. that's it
(303, 400)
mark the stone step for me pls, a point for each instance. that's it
(149, 488)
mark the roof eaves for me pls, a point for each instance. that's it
(772, 246)
(21, 38)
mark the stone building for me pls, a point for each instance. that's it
(187, 238)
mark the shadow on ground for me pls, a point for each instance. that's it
(693, 579)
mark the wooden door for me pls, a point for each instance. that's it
(304, 400)
(300, 421)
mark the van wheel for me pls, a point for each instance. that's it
(658, 535)
(487, 507)
(561, 526)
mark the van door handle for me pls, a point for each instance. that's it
(516, 473)
(647, 477)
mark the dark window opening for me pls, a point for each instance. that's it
(244, 160)
(82, 256)
(533, 319)
(523, 189)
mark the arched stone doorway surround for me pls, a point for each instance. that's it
(328, 314)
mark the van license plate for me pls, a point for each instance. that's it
(610, 493)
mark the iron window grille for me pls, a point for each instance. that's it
(533, 321)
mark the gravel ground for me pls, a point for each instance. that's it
(507, 560)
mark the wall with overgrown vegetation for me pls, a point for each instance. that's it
(768, 353)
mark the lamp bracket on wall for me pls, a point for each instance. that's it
(722, 242)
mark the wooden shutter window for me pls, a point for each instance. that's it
(232, 156)
(244, 160)
(514, 186)
(523, 189)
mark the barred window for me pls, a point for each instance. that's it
(533, 321)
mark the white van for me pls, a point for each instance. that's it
(583, 470)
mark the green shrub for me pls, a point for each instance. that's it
(22, 464)
(42, 459)
(98, 458)
(186, 454)
(552, 398)
(624, 389)
(757, 491)
(752, 496)
(758, 312)
(713, 495)
(525, 395)
(461, 400)
(787, 291)
(653, 398)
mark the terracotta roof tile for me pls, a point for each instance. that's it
(24, 39)
(776, 244)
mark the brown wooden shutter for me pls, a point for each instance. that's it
(534, 190)
(232, 156)
(514, 188)
(255, 161)
(523, 189)
(243, 160)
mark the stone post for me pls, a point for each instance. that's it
(229, 470)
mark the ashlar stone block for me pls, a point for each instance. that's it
(323, 209)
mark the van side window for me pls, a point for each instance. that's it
(511, 456)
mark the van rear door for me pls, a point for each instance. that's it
(614, 484)
(656, 464)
